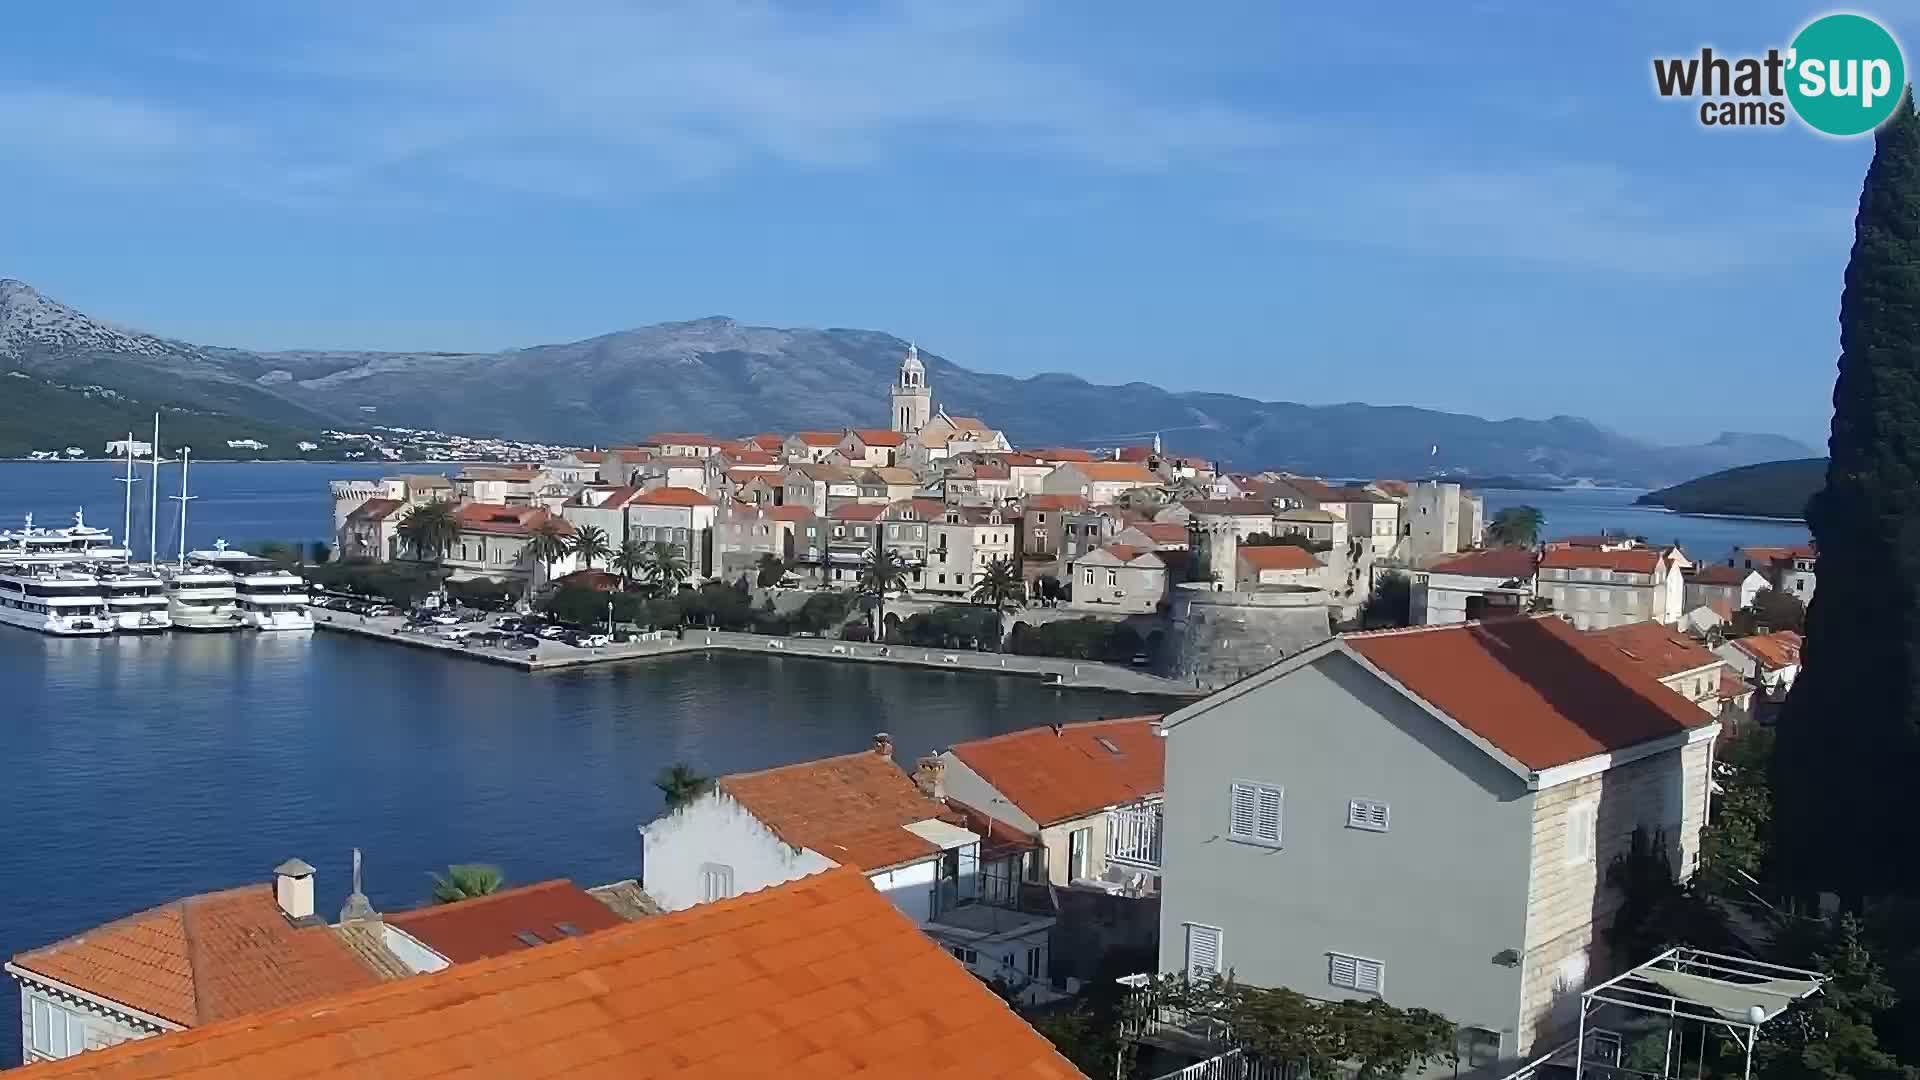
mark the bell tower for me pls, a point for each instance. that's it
(912, 398)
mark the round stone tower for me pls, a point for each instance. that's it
(1220, 637)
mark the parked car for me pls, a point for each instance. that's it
(592, 641)
(484, 637)
(456, 634)
(551, 632)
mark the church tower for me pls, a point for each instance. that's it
(912, 398)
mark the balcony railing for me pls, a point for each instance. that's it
(992, 903)
(1133, 835)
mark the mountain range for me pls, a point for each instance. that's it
(722, 376)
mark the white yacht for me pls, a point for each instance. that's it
(76, 543)
(201, 598)
(53, 600)
(136, 597)
(270, 596)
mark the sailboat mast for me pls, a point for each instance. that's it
(153, 515)
(185, 452)
(126, 524)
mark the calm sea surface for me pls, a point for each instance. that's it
(143, 769)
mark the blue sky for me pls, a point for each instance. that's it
(1482, 208)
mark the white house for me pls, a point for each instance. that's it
(754, 830)
(1117, 579)
(1473, 585)
(1099, 481)
(961, 543)
(1090, 792)
(1718, 586)
(1769, 661)
(680, 516)
(1426, 817)
(1595, 588)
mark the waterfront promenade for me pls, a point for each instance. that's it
(554, 655)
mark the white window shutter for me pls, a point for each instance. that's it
(1368, 975)
(1203, 952)
(1377, 816)
(1245, 811)
(1343, 971)
(1268, 826)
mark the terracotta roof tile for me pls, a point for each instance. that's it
(375, 509)
(1278, 557)
(1056, 502)
(1056, 775)
(879, 437)
(503, 518)
(1114, 472)
(491, 925)
(1061, 454)
(1661, 650)
(851, 808)
(820, 973)
(204, 958)
(672, 496)
(1776, 650)
(1163, 532)
(1536, 688)
(1505, 563)
(1630, 560)
(818, 438)
(856, 512)
(1715, 574)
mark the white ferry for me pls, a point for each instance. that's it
(270, 597)
(77, 543)
(136, 597)
(201, 598)
(53, 600)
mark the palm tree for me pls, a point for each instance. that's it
(999, 585)
(464, 881)
(681, 785)
(551, 541)
(630, 562)
(1517, 526)
(884, 571)
(666, 567)
(590, 545)
(769, 569)
(431, 529)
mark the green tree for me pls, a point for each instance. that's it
(630, 562)
(1000, 588)
(1517, 526)
(430, 530)
(322, 553)
(551, 541)
(590, 545)
(666, 567)
(680, 784)
(1831, 1035)
(1851, 726)
(464, 881)
(1738, 839)
(1390, 603)
(1371, 1038)
(883, 572)
(768, 570)
(1771, 610)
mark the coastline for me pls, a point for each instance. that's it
(1720, 515)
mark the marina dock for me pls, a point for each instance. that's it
(555, 655)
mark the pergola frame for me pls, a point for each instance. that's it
(1734, 993)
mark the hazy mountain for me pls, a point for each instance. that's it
(718, 375)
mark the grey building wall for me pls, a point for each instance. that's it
(1434, 899)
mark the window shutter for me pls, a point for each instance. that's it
(1367, 976)
(1203, 952)
(1343, 971)
(1245, 812)
(1268, 826)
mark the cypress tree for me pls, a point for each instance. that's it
(1849, 736)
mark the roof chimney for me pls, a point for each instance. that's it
(930, 776)
(358, 908)
(293, 888)
(883, 745)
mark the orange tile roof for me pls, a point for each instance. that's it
(1061, 454)
(1776, 554)
(818, 977)
(1715, 574)
(1776, 650)
(1631, 560)
(375, 509)
(672, 496)
(1163, 532)
(752, 457)
(879, 436)
(818, 438)
(1115, 472)
(1056, 502)
(1661, 650)
(1278, 557)
(850, 808)
(1058, 774)
(856, 512)
(1536, 688)
(766, 440)
(490, 925)
(204, 958)
(1505, 563)
(504, 518)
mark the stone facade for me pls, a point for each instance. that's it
(1221, 637)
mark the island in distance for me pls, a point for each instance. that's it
(1773, 489)
(722, 376)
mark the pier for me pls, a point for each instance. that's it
(556, 655)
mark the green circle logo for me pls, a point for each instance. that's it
(1845, 74)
